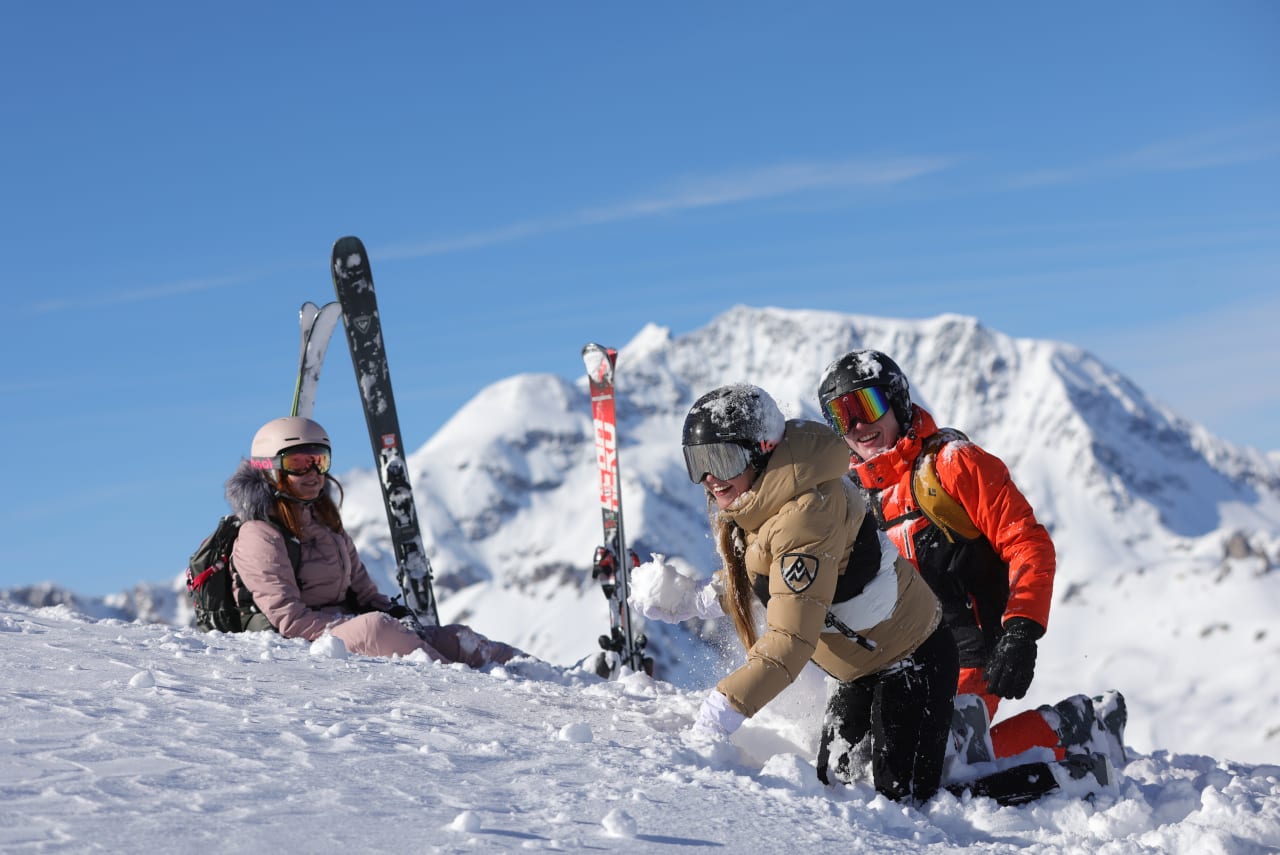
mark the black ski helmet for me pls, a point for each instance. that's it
(739, 413)
(859, 369)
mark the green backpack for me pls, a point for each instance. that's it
(210, 575)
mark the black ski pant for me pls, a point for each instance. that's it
(899, 718)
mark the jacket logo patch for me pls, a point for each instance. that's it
(799, 570)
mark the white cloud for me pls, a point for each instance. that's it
(742, 187)
(1207, 150)
(138, 295)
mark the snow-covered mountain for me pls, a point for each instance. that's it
(1166, 535)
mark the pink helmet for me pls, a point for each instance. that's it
(280, 434)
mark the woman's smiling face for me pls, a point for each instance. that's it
(727, 492)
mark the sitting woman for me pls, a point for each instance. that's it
(283, 493)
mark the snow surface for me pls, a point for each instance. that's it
(147, 738)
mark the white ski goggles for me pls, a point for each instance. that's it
(724, 460)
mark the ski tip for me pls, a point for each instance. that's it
(600, 362)
(348, 245)
(348, 254)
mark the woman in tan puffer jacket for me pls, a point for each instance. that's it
(284, 491)
(790, 530)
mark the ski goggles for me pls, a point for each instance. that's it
(861, 405)
(724, 460)
(304, 458)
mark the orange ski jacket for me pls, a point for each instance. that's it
(1006, 572)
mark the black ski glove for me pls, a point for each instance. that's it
(1012, 663)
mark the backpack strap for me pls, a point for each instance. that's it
(292, 546)
(934, 502)
(876, 509)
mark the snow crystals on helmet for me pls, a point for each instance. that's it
(859, 369)
(739, 413)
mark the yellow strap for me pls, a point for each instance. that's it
(934, 502)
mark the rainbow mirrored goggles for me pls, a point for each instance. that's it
(859, 406)
(298, 460)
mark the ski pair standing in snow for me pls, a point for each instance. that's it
(288, 504)
(793, 535)
(623, 645)
(988, 559)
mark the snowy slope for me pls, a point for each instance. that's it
(131, 737)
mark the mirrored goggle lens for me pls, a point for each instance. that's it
(861, 405)
(724, 460)
(300, 461)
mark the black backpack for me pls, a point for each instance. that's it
(210, 573)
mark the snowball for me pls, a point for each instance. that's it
(577, 732)
(328, 647)
(466, 821)
(661, 592)
(142, 680)
(619, 823)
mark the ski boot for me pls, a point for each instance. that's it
(1090, 725)
(1111, 712)
(970, 731)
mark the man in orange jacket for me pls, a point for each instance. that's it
(995, 588)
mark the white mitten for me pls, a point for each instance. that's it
(717, 717)
(707, 605)
(661, 592)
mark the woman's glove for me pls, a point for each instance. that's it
(707, 605)
(1012, 663)
(716, 717)
(661, 592)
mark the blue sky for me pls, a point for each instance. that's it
(529, 177)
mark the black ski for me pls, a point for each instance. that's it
(353, 282)
(1080, 775)
(614, 574)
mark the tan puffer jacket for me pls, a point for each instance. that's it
(800, 519)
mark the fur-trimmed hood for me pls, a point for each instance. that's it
(250, 494)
